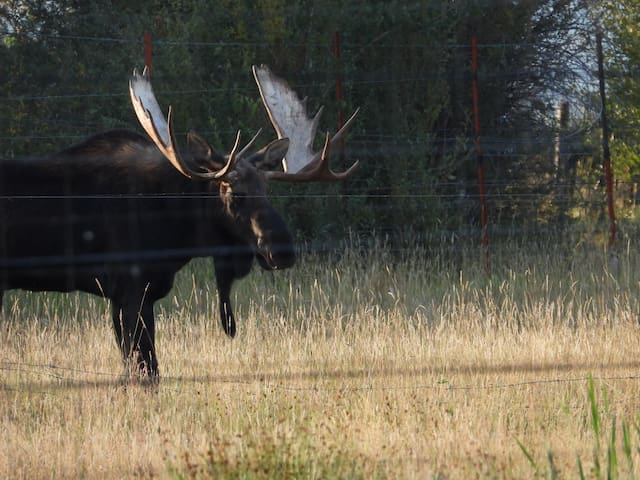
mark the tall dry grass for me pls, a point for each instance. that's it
(363, 365)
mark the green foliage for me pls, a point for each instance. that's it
(610, 469)
(407, 65)
(621, 19)
(528, 455)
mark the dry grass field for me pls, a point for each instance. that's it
(370, 366)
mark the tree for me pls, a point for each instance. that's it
(621, 20)
(407, 65)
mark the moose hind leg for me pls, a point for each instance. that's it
(134, 327)
(116, 317)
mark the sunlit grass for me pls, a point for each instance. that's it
(366, 364)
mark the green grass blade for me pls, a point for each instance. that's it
(595, 426)
(553, 470)
(580, 469)
(626, 447)
(528, 455)
(595, 415)
(612, 456)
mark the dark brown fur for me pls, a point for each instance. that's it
(112, 217)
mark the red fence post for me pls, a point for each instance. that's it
(606, 153)
(147, 51)
(484, 216)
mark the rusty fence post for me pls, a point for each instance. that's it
(484, 216)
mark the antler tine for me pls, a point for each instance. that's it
(322, 156)
(313, 127)
(317, 171)
(345, 128)
(246, 148)
(326, 174)
(160, 130)
(232, 153)
(231, 160)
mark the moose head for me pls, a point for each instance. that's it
(241, 177)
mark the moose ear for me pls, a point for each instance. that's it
(201, 151)
(198, 146)
(271, 156)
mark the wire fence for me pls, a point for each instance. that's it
(586, 195)
(455, 236)
(66, 378)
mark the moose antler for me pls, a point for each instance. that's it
(160, 130)
(288, 114)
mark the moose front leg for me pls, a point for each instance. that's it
(229, 266)
(134, 327)
(225, 275)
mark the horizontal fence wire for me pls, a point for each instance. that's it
(68, 378)
(373, 148)
(6, 32)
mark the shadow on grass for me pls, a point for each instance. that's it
(61, 378)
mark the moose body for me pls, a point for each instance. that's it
(112, 217)
(119, 214)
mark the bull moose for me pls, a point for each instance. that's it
(112, 217)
